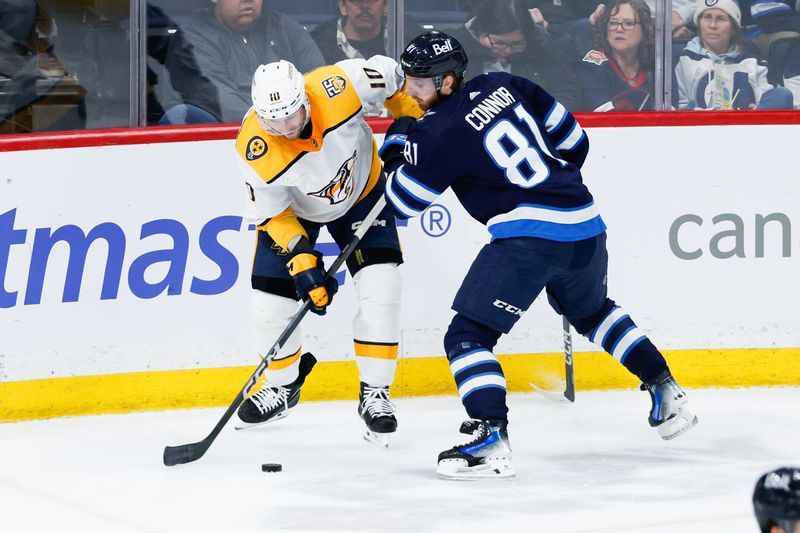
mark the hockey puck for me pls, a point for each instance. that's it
(271, 467)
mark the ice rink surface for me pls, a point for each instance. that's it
(592, 466)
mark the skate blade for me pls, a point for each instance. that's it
(458, 470)
(247, 425)
(380, 439)
(677, 425)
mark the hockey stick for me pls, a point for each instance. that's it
(569, 392)
(186, 453)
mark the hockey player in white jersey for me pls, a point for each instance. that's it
(309, 160)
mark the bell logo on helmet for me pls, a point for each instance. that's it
(440, 49)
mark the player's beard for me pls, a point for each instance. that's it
(430, 102)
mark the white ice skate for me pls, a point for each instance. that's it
(668, 414)
(488, 456)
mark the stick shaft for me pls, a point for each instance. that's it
(569, 368)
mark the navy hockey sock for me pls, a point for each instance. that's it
(617, 334)
(480, 381)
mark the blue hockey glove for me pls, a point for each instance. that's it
(391, 151)
(308, 272)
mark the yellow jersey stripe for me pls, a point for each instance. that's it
(286, 362)
(374, 173)
(376, 350)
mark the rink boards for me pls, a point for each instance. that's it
(125, 273)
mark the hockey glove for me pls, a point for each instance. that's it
(391, 151)
(308, 272)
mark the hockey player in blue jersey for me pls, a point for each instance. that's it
(512, 155)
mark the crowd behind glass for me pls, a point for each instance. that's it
(71, 64)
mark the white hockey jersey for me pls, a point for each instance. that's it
(706, 80)
(320, 178)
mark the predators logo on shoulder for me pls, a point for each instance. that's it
(256, 148)
(334, 85)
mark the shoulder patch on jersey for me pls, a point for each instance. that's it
(334, 85)
(595, 56)
(256, 147)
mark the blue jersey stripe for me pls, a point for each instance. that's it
(548, 230)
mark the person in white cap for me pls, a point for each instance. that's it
(718, 69)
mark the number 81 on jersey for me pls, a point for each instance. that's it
(410, 152)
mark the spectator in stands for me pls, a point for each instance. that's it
(360, 32)
(770, 21)
(682, 18)
(566, 16)
(718, 69)
(618, 74)
(231, 40)
(791, 72)
(198, 98)
(502, 36)
(774, 26)
(36, 92)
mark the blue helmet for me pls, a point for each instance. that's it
(776, 499)
(432, 55)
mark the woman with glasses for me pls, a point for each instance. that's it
(718, 69)
(500, 36)
(618, 74)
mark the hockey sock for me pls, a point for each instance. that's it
(617, 334)
(480, 381)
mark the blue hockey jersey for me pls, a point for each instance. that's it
(512, 155)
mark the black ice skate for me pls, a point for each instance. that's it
(488, 456)
(273, 403)
(668, 414)
(378, 414)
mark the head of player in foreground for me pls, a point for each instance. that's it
(776, 501)
(279, 99)
(433, 64)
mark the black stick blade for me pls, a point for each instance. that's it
(569, 394)
(185, 453)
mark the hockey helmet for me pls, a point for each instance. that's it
(776, 499)
(278, 92)
(432, 55)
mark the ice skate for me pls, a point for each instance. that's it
(378, 414)
(668, 414)
(273, 403)
(488, 456)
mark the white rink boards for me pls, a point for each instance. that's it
(691, 279)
